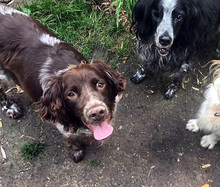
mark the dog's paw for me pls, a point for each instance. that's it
(12, 110)
(208, 141)
(170, 91)
(192, 125)
(138, 76)
(77, 155)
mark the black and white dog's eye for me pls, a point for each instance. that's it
(100, 85)
(179, 17)
(155, 14)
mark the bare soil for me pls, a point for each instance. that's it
(150, 146)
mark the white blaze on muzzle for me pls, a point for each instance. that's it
(165, 25)
(99, 125)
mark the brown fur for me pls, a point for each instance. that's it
(24, 58)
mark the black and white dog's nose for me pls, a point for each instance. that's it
(165, 40)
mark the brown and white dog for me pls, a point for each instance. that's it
(208, 117)
(74, 96)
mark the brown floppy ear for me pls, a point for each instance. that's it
(112, 75)
(50, 103)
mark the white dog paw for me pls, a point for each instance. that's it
(192, 125)
(207, 142)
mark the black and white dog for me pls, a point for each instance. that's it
(168, 34)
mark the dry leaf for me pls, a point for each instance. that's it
(122, 45)
(206, 166)
(151, 92)
(10, 89)
(0, 123)
(125, 59)
(196, 89)
(152, 167)
(19, 90)
(3, 153)
(205, 185)
(183, 85)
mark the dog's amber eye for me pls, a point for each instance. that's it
(100, 85)
(72, 94)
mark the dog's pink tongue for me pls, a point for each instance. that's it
(101, 131)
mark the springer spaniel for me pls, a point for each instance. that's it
(78, 97)
(168, 34)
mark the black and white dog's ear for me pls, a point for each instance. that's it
(142, 18)
(197, 17)
(113, 76)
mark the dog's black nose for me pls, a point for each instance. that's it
(165, 40)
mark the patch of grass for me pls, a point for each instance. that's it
(114, 65)
(128, 5)
(81, 25)
(31, 149)
(11, 124)
(94, 162)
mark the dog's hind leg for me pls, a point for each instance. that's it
(177, 78)
(138, 76)
(11, 109)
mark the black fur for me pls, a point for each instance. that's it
(194, 23)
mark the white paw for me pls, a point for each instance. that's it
(207, 142)
(11, 109)
(192, 125)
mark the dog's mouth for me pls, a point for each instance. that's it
(163, 51)
(101, 130)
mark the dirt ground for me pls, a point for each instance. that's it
(150, 146)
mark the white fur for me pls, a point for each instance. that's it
(49, 40)
(11, 110)
(3, 77)
(166, 22)
(63, 70)
(68, 134)
(44, 73)
(206, 120)
(7, 10)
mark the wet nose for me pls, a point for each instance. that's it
(97, 114)
(165, 40)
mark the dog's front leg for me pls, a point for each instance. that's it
(74, 142)
(76, 148)
(177, 77)
(138, 76)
